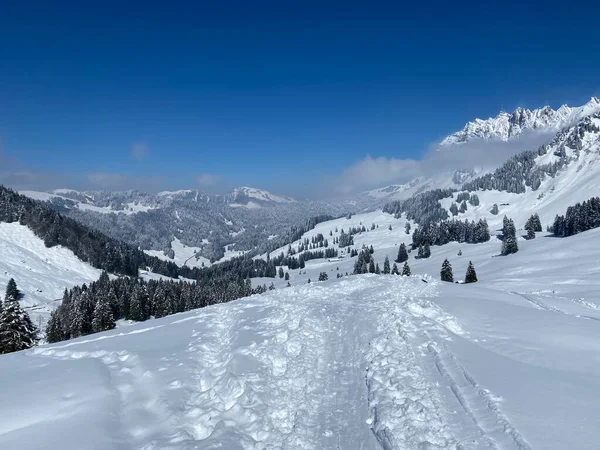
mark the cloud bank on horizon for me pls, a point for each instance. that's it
(368, 173)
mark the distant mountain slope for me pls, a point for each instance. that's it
(214, 225)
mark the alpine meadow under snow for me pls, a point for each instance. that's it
(492, 342)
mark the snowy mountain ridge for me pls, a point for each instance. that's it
(506, 126)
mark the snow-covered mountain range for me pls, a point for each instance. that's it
(506, 126)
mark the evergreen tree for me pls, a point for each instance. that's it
(372, 266)
(407, 228)
(454, 209)
(395, 270)
(271, 287)
(281, 274)
(323, 276)
(509, 240)
(537, 224)
(17, 332)
(463, 207)
(406, 270)
(54, 328)
(530, 233)
(12, 292)
(377, 269)
(426, 250)
(509, 245)
(102, 318)
(495, 209)
(446, 272)
(386, 265)
(402, 254)
(471, 276)
(287, 276)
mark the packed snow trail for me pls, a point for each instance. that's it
(357, 363)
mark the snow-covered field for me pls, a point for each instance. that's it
(371, 362)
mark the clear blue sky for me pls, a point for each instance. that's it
(270, 93)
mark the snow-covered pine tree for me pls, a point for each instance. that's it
(17, 332)
(530, 233)
(280, 273)
(495, 209)
(471, 275)
(323, 276)
(377, 269)
(287, 276)
(463, 207)
(395, 270)
(102, 318)
(446, 272)
(407, 228)
(406, 269)
(509, 245)
(402, 254)
(386, 265)
(372, 266)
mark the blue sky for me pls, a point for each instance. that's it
(276, 95)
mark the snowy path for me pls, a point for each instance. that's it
(358, 363)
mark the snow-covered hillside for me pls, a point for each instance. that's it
(511, 362)
(41, 273)
(507, 126)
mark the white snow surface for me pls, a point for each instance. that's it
(368, 362)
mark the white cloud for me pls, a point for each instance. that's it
(139, 151)
(372, 172)
(207, 179)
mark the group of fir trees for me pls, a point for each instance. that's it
(90, 309)
(441, 233)
(17, 332)
(580, 217)
(447, 275)
(532, 225)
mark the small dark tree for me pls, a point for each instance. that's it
(280, 272)
(377, 269)
(402, 254)
(386, 266)
(395, 270)
(454, 209)
(323, 276)
(471, 276)
(495, 209)
(530, 233)
(287, 276)
(446, 272)
(426, 250)
(407, 228)
(12, 292)
(463, 207)
(372, 266)
(406, 270)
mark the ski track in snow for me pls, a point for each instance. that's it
(541, 305)
(361, 364)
